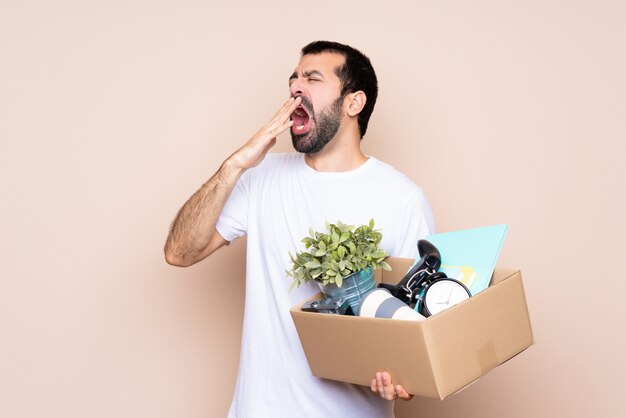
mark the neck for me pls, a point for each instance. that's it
(342, 153)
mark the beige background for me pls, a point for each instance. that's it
(113, 112)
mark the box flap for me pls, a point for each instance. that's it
(399, 267)
(500, 274)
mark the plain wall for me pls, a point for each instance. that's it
(113, 112)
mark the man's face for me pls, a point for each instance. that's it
(317, 120)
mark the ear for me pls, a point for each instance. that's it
(356, 102)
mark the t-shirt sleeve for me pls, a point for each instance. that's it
(417, 222)
(233, 221)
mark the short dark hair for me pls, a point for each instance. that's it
(356, 74)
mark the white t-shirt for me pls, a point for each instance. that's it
(274, 204)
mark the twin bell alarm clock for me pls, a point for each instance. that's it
(426, 290)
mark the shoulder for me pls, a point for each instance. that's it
(397, 188)
(393, 178)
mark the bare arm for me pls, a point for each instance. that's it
(193, 236)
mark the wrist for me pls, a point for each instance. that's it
(231, 170)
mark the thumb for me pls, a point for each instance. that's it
(402, 394)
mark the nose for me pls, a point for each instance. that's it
(296, 88)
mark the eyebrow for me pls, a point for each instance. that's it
(306, 74)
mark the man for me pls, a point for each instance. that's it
(274, 199)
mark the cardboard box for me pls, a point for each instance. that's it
(434, 358)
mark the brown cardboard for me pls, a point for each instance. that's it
(433, 358)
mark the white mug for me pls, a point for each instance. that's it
(380, 303)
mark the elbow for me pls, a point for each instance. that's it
(174, 259)
(182, 256)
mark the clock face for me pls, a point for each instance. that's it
(443, 294)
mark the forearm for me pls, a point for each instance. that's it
(192, 235)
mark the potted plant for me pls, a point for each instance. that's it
(342, 261)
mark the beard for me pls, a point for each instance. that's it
(324, 127)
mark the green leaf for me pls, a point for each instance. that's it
(341, 251)
(312, 265)
(320, 253)
(372, 223)
(339, 280)
(385, 266)
(379, 254)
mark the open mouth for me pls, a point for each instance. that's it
(301, 121)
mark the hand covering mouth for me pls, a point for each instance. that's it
(301, 118)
